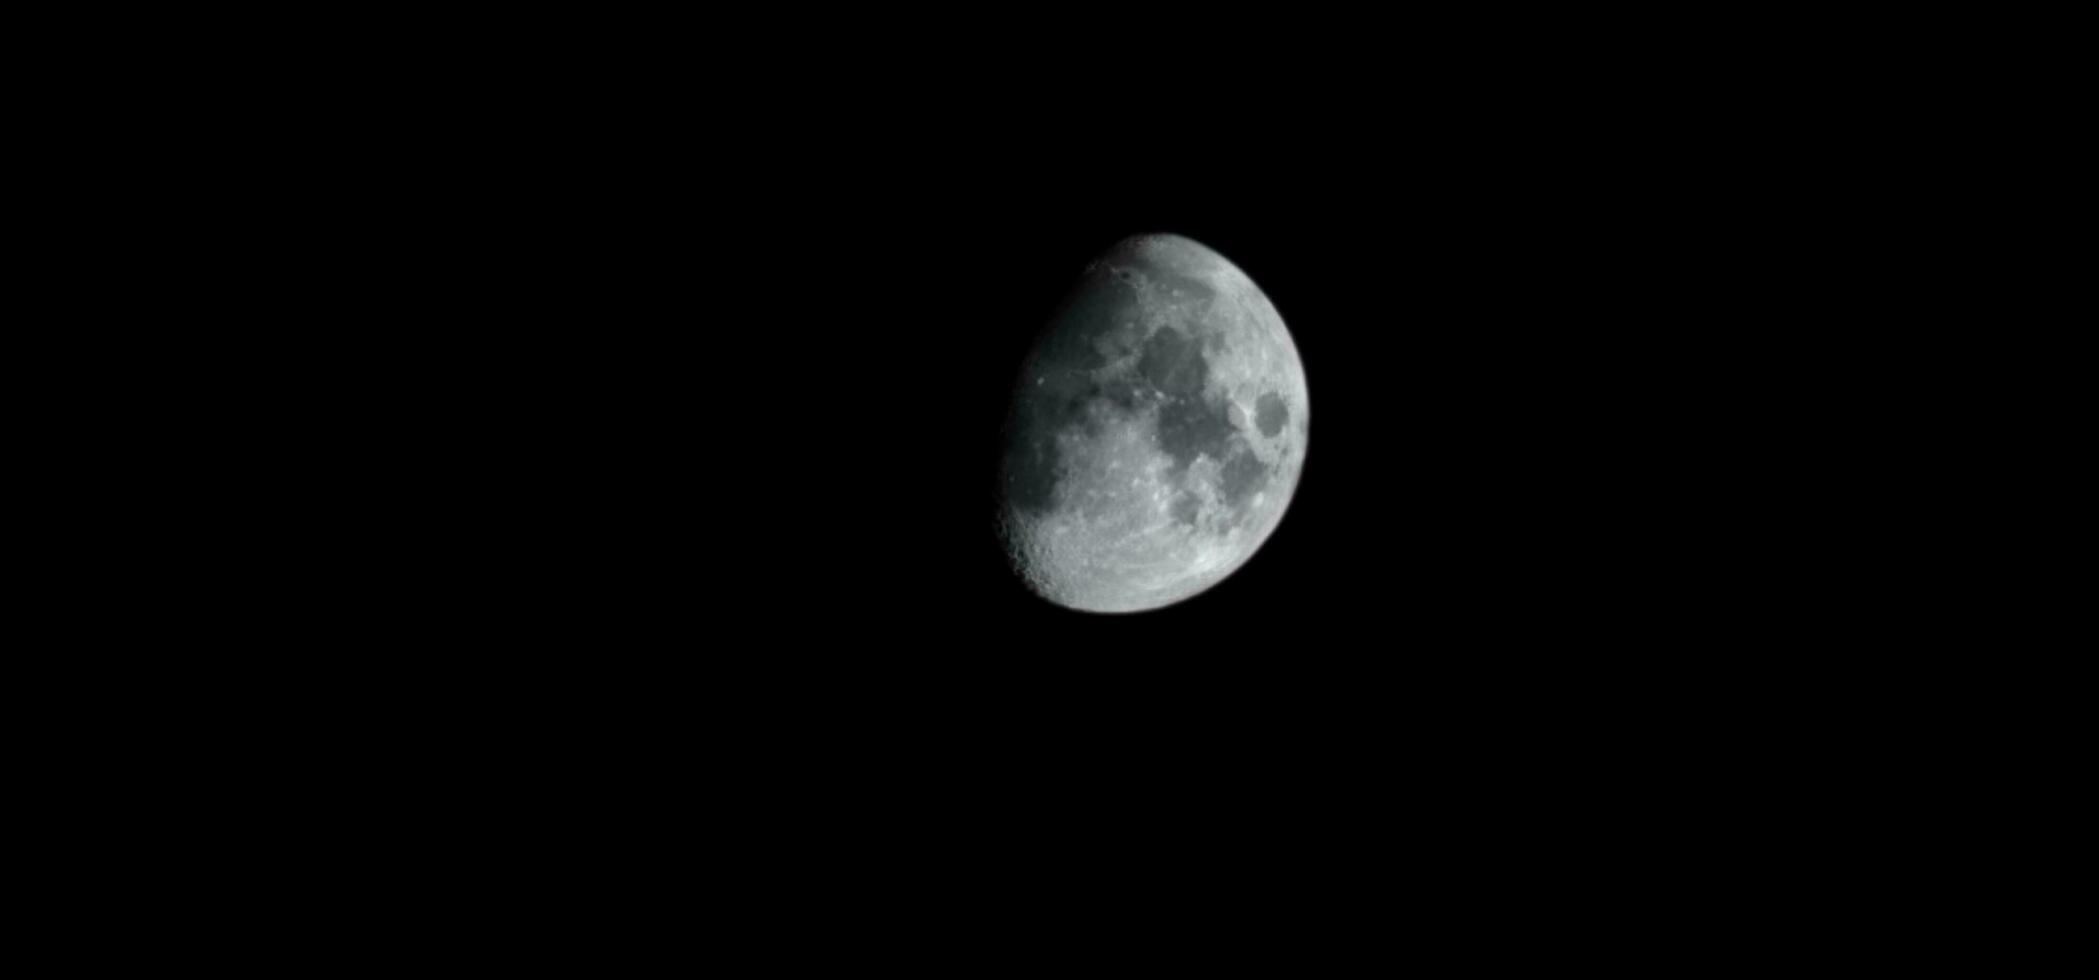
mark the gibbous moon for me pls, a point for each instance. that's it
(1157, 431)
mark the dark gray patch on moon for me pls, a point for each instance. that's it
(1090, 312)
(1185, 507)
(1031, 475)
(1242, 475)
(1189, 428)
(1122, 393)
(1173, 363)
(1054, 394)
(1189, 425)
(1269, 414)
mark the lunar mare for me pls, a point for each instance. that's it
(1157, 431)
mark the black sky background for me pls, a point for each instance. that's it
(1569, 386)
(1574, 533)
(540, 483)
(669, 391)
(699, 371)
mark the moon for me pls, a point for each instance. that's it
(1157, 431)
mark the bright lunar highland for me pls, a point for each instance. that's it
(1157, 431)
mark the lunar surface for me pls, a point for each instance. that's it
(1157, 431)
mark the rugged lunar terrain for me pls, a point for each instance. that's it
(1157, 431)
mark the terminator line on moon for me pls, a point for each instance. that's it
(1157, 431)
